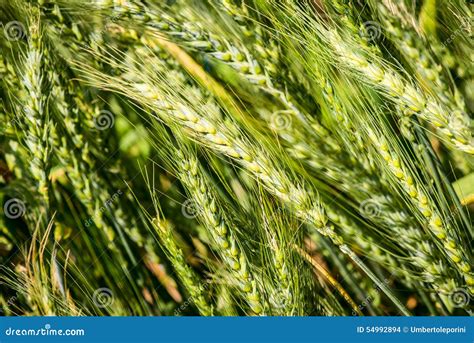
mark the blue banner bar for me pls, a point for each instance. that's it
(237, 329)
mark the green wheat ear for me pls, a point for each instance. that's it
(294, 161)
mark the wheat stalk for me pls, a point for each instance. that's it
(368, 67)
(422, 201)
(185, 273)
(451, 124)
(413, 48)
(224, 139)
(297, 135)
(34, 117)
(335, 169)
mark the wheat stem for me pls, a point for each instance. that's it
(178, 260)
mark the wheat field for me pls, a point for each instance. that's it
(236, 157)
